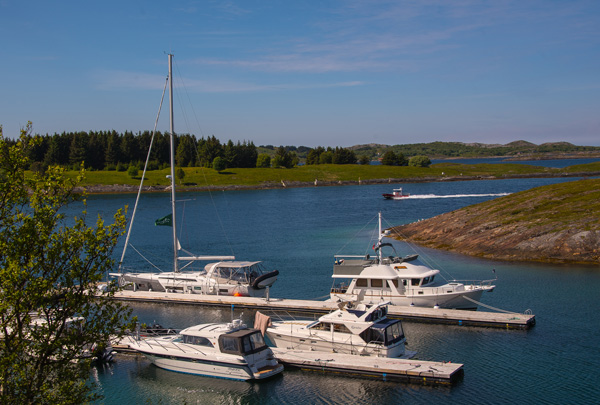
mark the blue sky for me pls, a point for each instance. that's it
(313, 73)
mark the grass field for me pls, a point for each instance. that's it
(202, 177)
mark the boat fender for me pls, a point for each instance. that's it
(263, 277)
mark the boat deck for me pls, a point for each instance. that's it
(384, 368)
(416, 314)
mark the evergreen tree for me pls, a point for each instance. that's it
(113, 146)
(78, 149)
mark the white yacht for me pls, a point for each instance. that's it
(242, 279)
(400, 281)
(362, 330)
(230, 350)
(224, 276)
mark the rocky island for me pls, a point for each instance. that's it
(554, 223)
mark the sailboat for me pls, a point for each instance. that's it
(222, 276)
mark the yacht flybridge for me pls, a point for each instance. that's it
(223, 276)
(400, 280)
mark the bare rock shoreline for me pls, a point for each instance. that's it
(559, 223)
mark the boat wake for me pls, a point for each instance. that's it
(424, 196)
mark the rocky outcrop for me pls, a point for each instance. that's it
(556, 223)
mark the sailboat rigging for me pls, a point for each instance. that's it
(224, 276)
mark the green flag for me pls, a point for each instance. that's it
(164, 221)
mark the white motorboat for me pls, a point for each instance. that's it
(230, 350)
(224, 276)
(400, 281)
(353, 329)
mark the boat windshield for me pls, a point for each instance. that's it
(242, 342)
(196, 340)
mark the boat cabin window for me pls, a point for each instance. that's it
(415, 281)
(242, 342)
(361, 282)
(376, 283)
(341, 328)
(404, 282)
(395, 282)
(197, 340)
(425, 280)
(321, 326)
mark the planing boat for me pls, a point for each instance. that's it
(352, 329)
(223, 350)
(400, 280)
(396, 194)
(223, 276)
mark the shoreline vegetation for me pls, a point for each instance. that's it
(204, 179)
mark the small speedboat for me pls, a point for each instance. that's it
(230, 350)
(352, 329)
(396, 194)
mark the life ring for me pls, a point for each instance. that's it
(256, 283)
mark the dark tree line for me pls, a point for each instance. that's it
(109, 150)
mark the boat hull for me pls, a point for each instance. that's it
(293, 341)
(453, 300)
(181, 283)
(231, 371)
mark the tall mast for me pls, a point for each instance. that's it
(380, 256)
(172, 130)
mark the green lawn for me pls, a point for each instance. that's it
(202, 177)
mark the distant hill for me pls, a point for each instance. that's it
(460, 149)
(446, 150)
(555, 223)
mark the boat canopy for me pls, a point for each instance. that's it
(240, 271)
(242, 342)
(386, 331)
(407, 270)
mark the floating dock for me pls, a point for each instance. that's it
(382, 368)
(416, 314)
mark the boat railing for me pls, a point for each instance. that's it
(285, 316)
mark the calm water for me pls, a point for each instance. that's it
(297, 231)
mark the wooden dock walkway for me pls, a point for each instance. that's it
(383, 368)
(417, 314)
